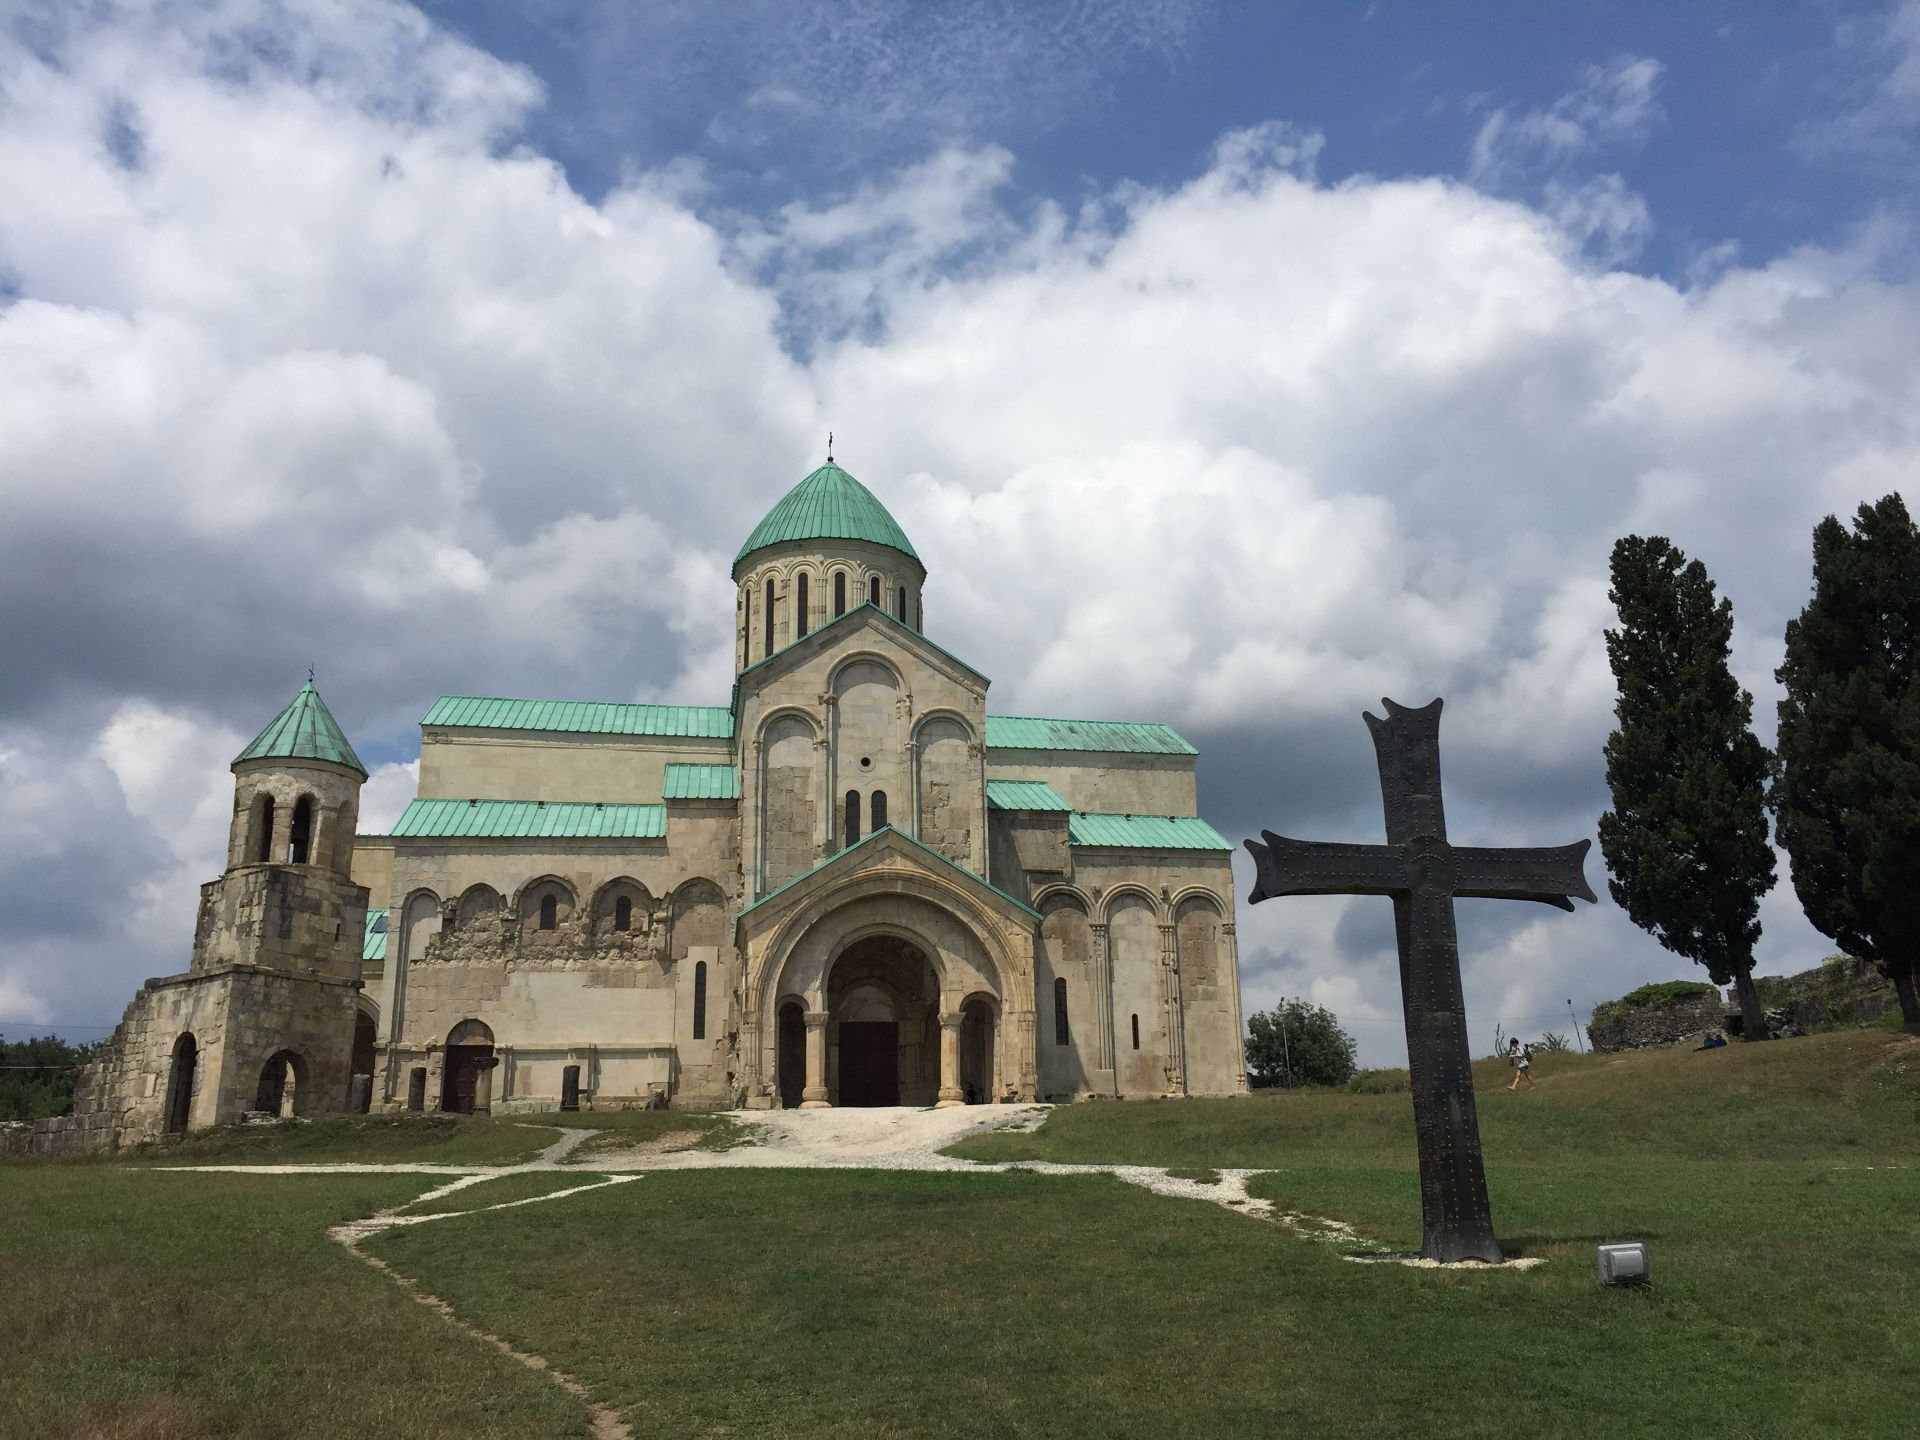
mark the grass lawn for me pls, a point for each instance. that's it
(177, 1307)
(1778, 1187)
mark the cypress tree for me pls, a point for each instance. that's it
(1847, 799)
(1686, 841)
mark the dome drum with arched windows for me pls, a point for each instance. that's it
(828, 547)
(848, 884)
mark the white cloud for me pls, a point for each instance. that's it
(385, 796)
(1244, 453)
(1612, 103)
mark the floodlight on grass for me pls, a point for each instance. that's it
(1622, 1264)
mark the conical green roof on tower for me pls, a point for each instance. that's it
(828, 505)
(305, 730)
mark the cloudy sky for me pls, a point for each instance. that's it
(1233, 369)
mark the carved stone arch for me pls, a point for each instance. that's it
(1110, 902)
(1198, 920)
(697, 917)
(788, 790)
(1059, 892)
(944, 712)
(470, 1032)
(868, 656)
(604, 907)
(477, 904)
(536, 917)
(303, 829)
(1002, 971)
(421, 918)
(1196, 893)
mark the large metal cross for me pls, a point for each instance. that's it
(1423, 874)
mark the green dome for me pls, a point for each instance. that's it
(305, 730)
(828, 505)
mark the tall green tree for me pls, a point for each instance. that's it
(1686, 841)
(1847, 798)
(1298, 1043)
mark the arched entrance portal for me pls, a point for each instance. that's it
(466, 1073)
(791, 1046)
(186, 1060)
(979, 1027)
(283, 1083)
(883, 1001)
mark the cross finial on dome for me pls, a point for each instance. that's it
(829, 447)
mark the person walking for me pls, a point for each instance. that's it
(1521, 1058)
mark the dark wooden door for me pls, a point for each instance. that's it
(462, 1077)
(869, 1062)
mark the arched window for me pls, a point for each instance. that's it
(853, 819)
(873, 590)
(263, 837)
(900, 604)
(549, 911)
(700, 1000)
(623, 913)
(879, 808)
(839, 592)
(746, 627)
(769, 615)
(800, 615)
(1136, 1032)
(300, 833)
(919, 613)
(1060, 1033)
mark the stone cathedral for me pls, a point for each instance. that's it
(851, 884)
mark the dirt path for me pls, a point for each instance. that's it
(891, 1138)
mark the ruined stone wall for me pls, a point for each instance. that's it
(620, 1005)
(287, 917)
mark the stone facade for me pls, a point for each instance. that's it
(811, 896)
(843, 915)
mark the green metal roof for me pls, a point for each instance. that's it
(531, 819)
(1022, 732)
(1023, 795)
(582, 717)
(1145, 832)
(374, 945)
(946, 860)
(305, 730)
(828, 505)
(701, 782)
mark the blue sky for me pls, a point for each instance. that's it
(1229, 366)
(1758, 134)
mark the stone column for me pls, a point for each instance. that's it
(950, 1092)
(1103, 996)
(814, 1096)
(282, 833)
(1229, 939)
(1175, 1010)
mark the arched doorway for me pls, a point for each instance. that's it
(469, 1055)
(282, 1081)
(978, 1030)
(186, 1060)
(365, 1036)
(884, 1042)
(791, 1053)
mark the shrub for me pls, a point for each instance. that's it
(1666, 993)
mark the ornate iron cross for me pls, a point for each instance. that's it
(1423, 874)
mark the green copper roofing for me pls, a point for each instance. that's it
(531, 819)
(870, 839)
(305, 730)
(1145, 832)
(1024, 795)
(582, 717)
(374, 945)
(701, 782)
(828, 505)
(1021, 732)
